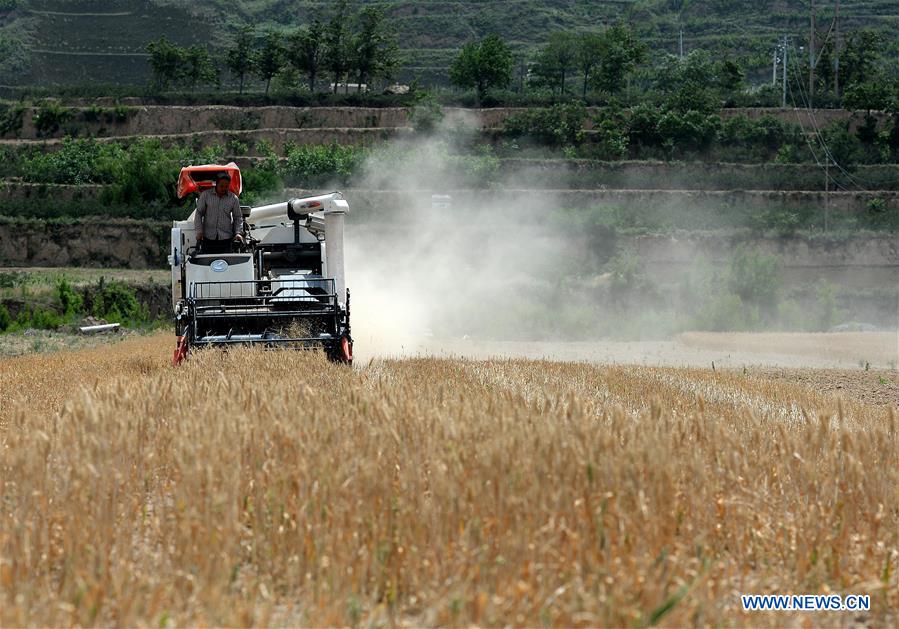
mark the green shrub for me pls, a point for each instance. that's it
(38, 317)
(754, 277)
(265, 149)
(11, 119)
(780, 221)
(50, 117)
(236, 146)
(726, 312)
(62, 211)
(70, 301)
(45, 319)
(11, 279)
(878, 215)
(137, 173)
(146, 172)
(75, 162)
(5, 319)
(260, 180)
(689, 131)
(826, 293)
(628, 278)
(312, 165)
(121, 113)
(643, 126)
(610, 140)
(844, 146)
(478, 169)
(747, 140)
(117, 303)
(426, 114)
(97, 113)
(557, 126)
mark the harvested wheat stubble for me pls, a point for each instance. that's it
(275, 488)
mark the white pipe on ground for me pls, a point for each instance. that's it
(96, 329)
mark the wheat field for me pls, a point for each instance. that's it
(274, 488)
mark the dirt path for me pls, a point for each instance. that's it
(857, 348)
(850, 350)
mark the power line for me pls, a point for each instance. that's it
(820, 137)
(805, 134)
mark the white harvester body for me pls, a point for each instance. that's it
(284, 285)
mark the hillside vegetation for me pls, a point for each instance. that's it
(49, 42)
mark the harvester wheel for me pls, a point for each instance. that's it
(345, 354)
(180, 352)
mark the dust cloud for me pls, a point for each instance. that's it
(442, 262)
(439, 264)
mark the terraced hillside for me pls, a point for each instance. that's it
(75, 41)
(97, 42)
(104, 200)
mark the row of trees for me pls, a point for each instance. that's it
(602, 60)
(361, 47)
(174, 66)
(348, 46)
(611, 60)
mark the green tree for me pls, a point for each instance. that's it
(306, 51)
(14, 55)
(843, 145)
(338, 43)
(483, 65)
(621, 53)
(375, 53)
(860, 57)
(824, 68)
(731, 76)
(269, 59)
(556, 59)
(590, 49)
(199, 68)
(239, 58)
(691, 83)
(167, 62)
(869, 95)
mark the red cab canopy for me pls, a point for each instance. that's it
(199, 178)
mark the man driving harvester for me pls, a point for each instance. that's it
(218, 220)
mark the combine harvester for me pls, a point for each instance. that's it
(283, 286)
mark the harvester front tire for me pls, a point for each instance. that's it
(180, 352)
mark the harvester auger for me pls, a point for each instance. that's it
(283, 286)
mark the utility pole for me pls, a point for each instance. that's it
(774, 68)
(681, 39)
(811, 56)
(784, 80)
(836, 48)
(826, 191)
